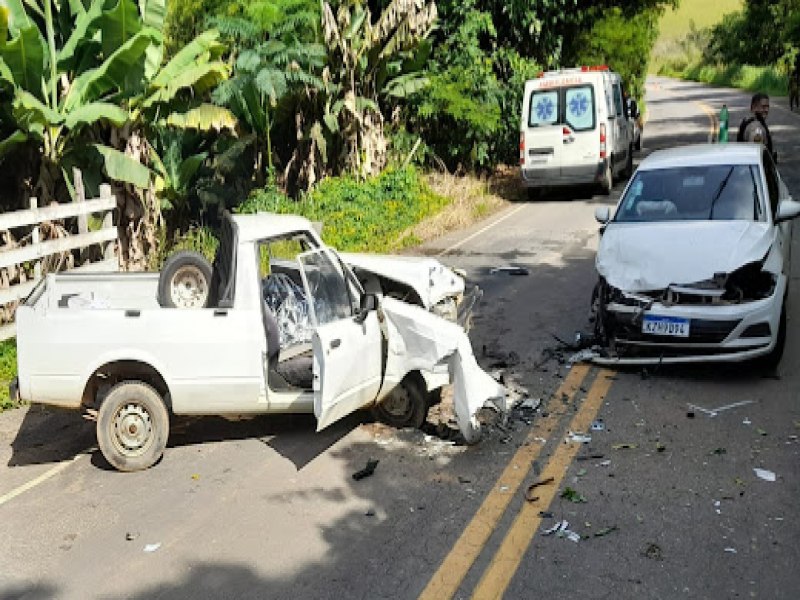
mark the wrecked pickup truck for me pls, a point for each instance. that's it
(280, 323)
(695, 264)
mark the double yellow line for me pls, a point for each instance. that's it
(497, 576)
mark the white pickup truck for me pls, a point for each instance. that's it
(280, 323)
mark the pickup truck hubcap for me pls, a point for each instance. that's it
(189, 288)
(132, 428)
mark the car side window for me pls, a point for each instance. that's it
(773, 188)
(617, 100)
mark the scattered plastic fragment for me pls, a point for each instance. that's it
(589, 456)
(152, 547)
(598, 425)
(585, 355)
(545, 515)
(718, 451)
(623, 446)
(660, 447)
(560, 526)
(747, 421)
(368, 470)
(765, 474)
(717, 505)
(730, 550)
(195, 476)
(130, 536)
(580, 438)
(572, 495)
(531, 403)
(581, 473)
(690, 414)
(605, 463)
(370, 512)
(713, 412)
(509, 270)
(605, 531)
(760, 431)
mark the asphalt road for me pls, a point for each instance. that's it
(268, 509)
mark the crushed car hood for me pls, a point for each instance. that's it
(430, 279)
(638, 257)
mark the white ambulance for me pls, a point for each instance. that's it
(574, 130)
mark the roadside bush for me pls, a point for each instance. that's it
(8, 370)
(359, 216)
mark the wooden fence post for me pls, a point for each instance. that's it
(108, 221)
(37, 266)
(83, 220)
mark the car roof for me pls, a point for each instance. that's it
(264, 225)
(738, 153)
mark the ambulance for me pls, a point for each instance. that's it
(575, 130)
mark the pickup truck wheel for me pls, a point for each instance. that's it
(405, 406)
(185, 281)
(132, 426)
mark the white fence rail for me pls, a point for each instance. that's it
(37, 250)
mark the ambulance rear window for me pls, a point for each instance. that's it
(579, 106)
(544, 108)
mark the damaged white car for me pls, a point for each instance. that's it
(695, 264)
(280, 323)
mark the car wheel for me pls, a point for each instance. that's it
(607, 183)
(405, 406)
(772, 360)
(132, 426)
(185, 281)
(638, 144)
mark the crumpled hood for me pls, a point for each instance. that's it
(638, 257)
(430, 279)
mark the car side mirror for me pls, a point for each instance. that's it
(787, 209)
(369, 302)
(602, 214)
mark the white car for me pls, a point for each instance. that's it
(694, 265)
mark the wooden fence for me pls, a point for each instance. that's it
(38, 250)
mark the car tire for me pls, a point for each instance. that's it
(638, 144)
(185, 281)
(770, 362)
(629, 164)
(132, 426)
(607, 183)
(405, 406)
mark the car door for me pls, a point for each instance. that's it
(620, 127)
(348, 351)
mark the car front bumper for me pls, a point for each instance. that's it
(717, 333)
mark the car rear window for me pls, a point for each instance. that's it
(544, 108)
(579, 105)
(702, 193)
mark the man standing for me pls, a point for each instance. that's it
(754, 128)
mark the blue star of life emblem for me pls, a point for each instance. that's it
(579, 105)
(544, 109)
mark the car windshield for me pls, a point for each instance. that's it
(702, 193)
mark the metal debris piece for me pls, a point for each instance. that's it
(605, 531)
(589, 456)
(130, 536)
(368, 470)
(560, 526)
(598, 425)
(747, 421)
(152, 547)
(585, 355)
(623, 446)
(605, 463)
(730, 550)
(510, 270)
(531, 403)
(765, 474)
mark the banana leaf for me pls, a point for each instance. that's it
(205, 46)
(28, 111)
(95, 83)
(85, 26)
(18, 19)
(119, 25)
(206, 117)
(153, 13)
(11, 142)
(94, 112)
(121, 167)
(199, 77)
(25, 58)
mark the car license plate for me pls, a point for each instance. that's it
(672, 326)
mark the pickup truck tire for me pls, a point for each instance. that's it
(185, 281)
(405, 406)
(132, 426)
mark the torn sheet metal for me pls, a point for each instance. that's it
(651, 256)
(420, 341)
(427, 276)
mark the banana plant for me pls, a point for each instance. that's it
(369, 62)
(75, 69)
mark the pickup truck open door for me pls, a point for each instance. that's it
(348, 351)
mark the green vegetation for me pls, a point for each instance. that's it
(754, 79)
(676, 23)
(359, 216)
(8, 370)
